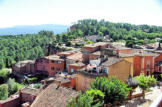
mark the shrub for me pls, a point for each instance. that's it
(3, 91)
(145, 82)
(32, 80)
(98, 97)
(12, 86)
(99, 40)
(3, 76)
(37, 86)
(79, 45)
(115, 90)
(92, 98)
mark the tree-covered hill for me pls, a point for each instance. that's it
(31, 46)
(118, 31)
(22, 47)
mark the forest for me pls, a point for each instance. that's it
(16, 48)
(22, 47)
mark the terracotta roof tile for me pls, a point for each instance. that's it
(54, 96)
(111, 61)
(31, 91)
(77, 56)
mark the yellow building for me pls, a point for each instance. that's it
(118, 67)
(113, 67)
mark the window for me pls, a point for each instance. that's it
(53, 61)
(52, 68)
(148, 63)
(58, 62)
(43, 67)
(160, 68)
(86, 52)
(58, 69)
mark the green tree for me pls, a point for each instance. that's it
(3, 75)
(4, 91)
(92, 98)
(12, 86)
(115, 90)
(145, 82)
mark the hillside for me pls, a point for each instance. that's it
(33, 29)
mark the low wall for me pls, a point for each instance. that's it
(10, 102)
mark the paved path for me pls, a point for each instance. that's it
(149, 98)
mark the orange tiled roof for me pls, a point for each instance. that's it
(77, 56)
(54, 96)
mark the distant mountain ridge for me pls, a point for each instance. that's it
(30, 29)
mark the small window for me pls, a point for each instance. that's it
(160, 68)
(52, 68)
(53, 61)
(58, 69)
(148, 63)
(58, 62)
(43, 67)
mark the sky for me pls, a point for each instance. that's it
(66, 12)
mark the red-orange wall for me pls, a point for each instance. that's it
(61, 66)
(157, 59)
(137, 65)
(15, 102)
(148, 58)
(93, 57)
(141, 66)
(48, 65)
(124, 50)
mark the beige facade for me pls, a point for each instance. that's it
(121, 70)
(84, 79)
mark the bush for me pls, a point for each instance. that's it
(92, 98)
(3, 76)
(37, 86)
(3, 91)
(145, 82)
(115, 90)
(79, 45)
(12, 86)
(32, 80)
(99, 40)
(98, 97)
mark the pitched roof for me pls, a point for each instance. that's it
(78, 64)
(97, 53)
(53, 57)
(30, 91)
(120, 47)
(54, 96)
(23, 63)
(111, 61)
(77, 56)
(96, 44)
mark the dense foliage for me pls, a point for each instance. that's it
(3, 76)
(9, 88)
(134, 34)
(31, 46)
(145, 82)
(22, 47)
(92, 98)
(114, 89)
(3, 91)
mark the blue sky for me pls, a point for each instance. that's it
(34, 12)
